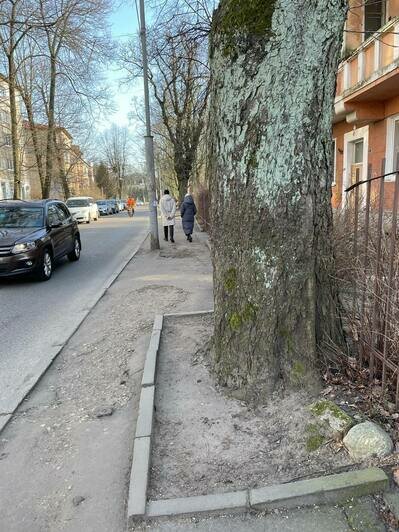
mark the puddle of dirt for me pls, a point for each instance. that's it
(205, 442)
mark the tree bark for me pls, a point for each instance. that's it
(50, 148)
(15, 140)
(273, 83)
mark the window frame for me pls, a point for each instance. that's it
(367, 35)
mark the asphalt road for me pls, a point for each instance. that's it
(36, 319)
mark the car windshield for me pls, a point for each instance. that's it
(11, 217)
(78, 203)
(101, 202)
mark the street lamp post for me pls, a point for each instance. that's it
(149, 141)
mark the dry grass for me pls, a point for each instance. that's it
(367, 266)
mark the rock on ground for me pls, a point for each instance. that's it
(366, 440)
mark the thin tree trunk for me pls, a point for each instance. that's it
(35, 141)
(61, 170)
(15, 140)
(50, 150)
(272, 96)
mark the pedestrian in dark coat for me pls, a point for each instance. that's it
(188, 210)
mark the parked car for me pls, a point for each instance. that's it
(139, 203)
(114, 206)
(81, 209)
(121, 205)
(104, 207)
(33, 235)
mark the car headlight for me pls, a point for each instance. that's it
(22, 247)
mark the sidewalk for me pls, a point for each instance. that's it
(64, 460)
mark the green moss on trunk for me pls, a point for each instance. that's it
(239, 18)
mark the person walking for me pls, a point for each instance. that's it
(168, 212)
(188, 210)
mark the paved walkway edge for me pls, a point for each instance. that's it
(41, 369)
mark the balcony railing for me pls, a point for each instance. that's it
(376, 56)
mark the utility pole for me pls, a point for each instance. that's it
(149, 141)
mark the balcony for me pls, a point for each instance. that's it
(370, 74)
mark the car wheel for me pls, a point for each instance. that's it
(45, 267)
(74, 255)
(88, 221)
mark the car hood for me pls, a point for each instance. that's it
(8, 237)
(78, 209)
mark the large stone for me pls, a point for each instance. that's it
(367, 440)
(330, 414)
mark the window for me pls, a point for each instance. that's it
(392, 146)
(9, 164)
(358, 152)
(4, 117)
(3, 190)
(62, 212)
(374, 16)
(2, 92)
(7, 140)
(52, 216)
(395, 155)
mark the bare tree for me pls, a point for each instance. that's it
(179, 77)
(18, 18)
(115, 149)
(273, 85)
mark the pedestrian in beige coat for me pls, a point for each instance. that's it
(168, 212)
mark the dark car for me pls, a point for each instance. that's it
(33, 235)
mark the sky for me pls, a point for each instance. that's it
(124, 24)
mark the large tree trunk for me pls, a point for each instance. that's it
(272, 95)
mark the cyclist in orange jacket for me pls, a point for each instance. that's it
(130, 205)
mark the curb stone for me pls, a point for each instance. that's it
(184, 314)
(146, 412)
(237, 500)
(321, 490)
(151, 359)
(158, 323)
(139, 477)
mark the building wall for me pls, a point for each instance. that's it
(376, 152)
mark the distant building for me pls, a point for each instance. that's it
(366, 118)
(6, 159)
(69, 164)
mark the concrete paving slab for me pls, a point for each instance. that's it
(237, 500)
(362, 515)
(146, 412)
(139, 477)
(321, 490)
(391, 498)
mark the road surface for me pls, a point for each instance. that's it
(36, 319)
